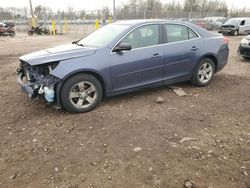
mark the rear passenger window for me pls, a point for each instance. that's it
(177, 33)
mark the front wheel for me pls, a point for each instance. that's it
(46, 31)
(12, 34)
(203, 73)
(235, 33)
(30, 33)
(81, 93)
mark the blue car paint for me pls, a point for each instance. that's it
(132, 70)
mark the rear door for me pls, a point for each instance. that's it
(143, 64)
(182, 47)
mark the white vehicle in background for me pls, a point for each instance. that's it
(236, 26)
(215, 22)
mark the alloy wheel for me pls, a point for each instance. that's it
(83, 94)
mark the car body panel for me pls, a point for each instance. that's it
(244, 48)
(136, 67)
(63, 52)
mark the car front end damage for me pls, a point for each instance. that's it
(36, 80)
(228, 29)
(244, 48)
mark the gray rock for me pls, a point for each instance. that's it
(159, 100)
(188, 139)
(136, 149)
(189, 184)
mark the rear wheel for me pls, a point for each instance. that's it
(204, 73)
(81, 93)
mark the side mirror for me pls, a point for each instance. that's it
(122, 47)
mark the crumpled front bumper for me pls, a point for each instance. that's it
(244, 50)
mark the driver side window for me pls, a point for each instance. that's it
(143, 36)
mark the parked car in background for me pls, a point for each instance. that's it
(244, 48)
(236, 26)
(122, 57)
(214, 23)
(201, 23)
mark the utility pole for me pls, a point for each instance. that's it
(32, 15)
(31, 9)
(114, 11)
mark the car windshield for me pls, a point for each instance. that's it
(103, 36)
(232, 22)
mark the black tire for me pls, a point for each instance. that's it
(247, 58)
(196, 79)
(12, 34)
(30, 33)
(46, 31)
(71, 86)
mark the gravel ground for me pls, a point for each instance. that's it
(129, 141)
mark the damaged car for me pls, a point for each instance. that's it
(122, 57)
(244, 48)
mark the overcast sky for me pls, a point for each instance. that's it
(92, 4)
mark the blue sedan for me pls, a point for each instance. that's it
(122, 57)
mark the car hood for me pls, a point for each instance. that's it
(59, 53)
(247, 37)
(228, 25)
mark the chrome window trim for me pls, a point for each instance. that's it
(156, 23)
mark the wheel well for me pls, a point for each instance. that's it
(214, 59)
(98, 77)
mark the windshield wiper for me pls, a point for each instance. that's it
(76, 41)
(79, 44)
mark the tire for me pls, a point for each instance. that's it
(12, 34)
(235, 33)
(30, 33)
(247, 58)
(203, 73)
(74, 97)
(46, 31)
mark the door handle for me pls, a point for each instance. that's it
(194, 48)
(156, 55)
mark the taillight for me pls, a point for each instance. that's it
(226, 40)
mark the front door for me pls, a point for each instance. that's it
(143, 64)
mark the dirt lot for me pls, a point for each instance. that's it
(129, 141)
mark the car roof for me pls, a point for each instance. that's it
(148, 21)
(239, 18)
(135, 23)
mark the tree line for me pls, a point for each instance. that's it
(130, 9)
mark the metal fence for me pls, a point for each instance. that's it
(84, 22)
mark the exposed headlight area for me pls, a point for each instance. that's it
(245, 41)
(37, 80)
(244, 48)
